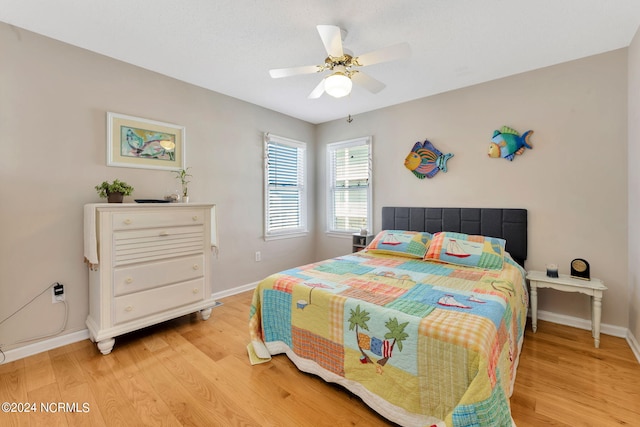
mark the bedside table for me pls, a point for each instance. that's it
(565, 283)
(359, 241)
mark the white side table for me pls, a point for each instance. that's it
(360, 241)
(565, 283)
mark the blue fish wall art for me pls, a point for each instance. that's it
(425, 160)
(507, 142)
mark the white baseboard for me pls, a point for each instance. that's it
(235, 291)
(633, 343)
(59, 341)
(576, 322)
(49, 344)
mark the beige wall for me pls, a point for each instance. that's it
(53, 104)
(573, 182)
(634, 188)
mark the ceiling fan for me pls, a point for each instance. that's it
(344, 67)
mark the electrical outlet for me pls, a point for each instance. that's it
(258, 256)
(57, 293)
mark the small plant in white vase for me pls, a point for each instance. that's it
(183, 176)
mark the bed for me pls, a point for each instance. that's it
(425, 325)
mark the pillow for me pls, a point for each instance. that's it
(468, 250)
(412, 244)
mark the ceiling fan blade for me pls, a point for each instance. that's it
(367, 82)
(389, 53)
(318, 91)
(294, 71)
(332, 39)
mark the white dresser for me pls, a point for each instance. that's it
(148, 263)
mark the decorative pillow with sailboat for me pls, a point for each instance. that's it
(468, 250)
(412, 244)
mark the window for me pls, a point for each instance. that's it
(285, 189)
(349, 195)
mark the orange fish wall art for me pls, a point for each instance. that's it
(425, 160)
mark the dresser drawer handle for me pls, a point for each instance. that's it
(196, 267)
(164, 233)
(128, 308)
(195, 217)
(196, 290)
(127, 221)
(129, 280)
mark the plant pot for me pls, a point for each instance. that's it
(185, 199)
(115, 197)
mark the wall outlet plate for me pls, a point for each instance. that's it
(57, 293)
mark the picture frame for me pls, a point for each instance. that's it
(134, 142)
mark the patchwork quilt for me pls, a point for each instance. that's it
(421, 342)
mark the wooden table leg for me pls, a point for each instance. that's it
(534, 306)
(593, 322)
(597, 314)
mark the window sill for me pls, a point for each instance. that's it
(340, 234)
(286, 236)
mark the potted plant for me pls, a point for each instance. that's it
(114, 192)
(183, 176)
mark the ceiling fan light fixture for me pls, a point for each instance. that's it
(338, 85)
(343, 65)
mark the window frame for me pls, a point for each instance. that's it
(331, 149)
(302, 229)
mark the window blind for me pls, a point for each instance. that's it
(350, 185)
(285, 195)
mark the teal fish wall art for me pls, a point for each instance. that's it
(425, 160)
(507, 142)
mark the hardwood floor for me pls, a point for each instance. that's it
(187, 372)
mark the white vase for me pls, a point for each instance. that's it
(185, 199)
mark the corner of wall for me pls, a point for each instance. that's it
(633, 343)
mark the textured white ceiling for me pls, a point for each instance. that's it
(228, 46)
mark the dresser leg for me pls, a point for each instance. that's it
(105, 346)
(206, 313)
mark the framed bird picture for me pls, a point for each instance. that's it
(142, 143)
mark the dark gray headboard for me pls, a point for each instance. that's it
(508, 224)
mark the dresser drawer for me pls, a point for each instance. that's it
(161, 218)
(153, 244)
(145, 303)
(149, 275)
